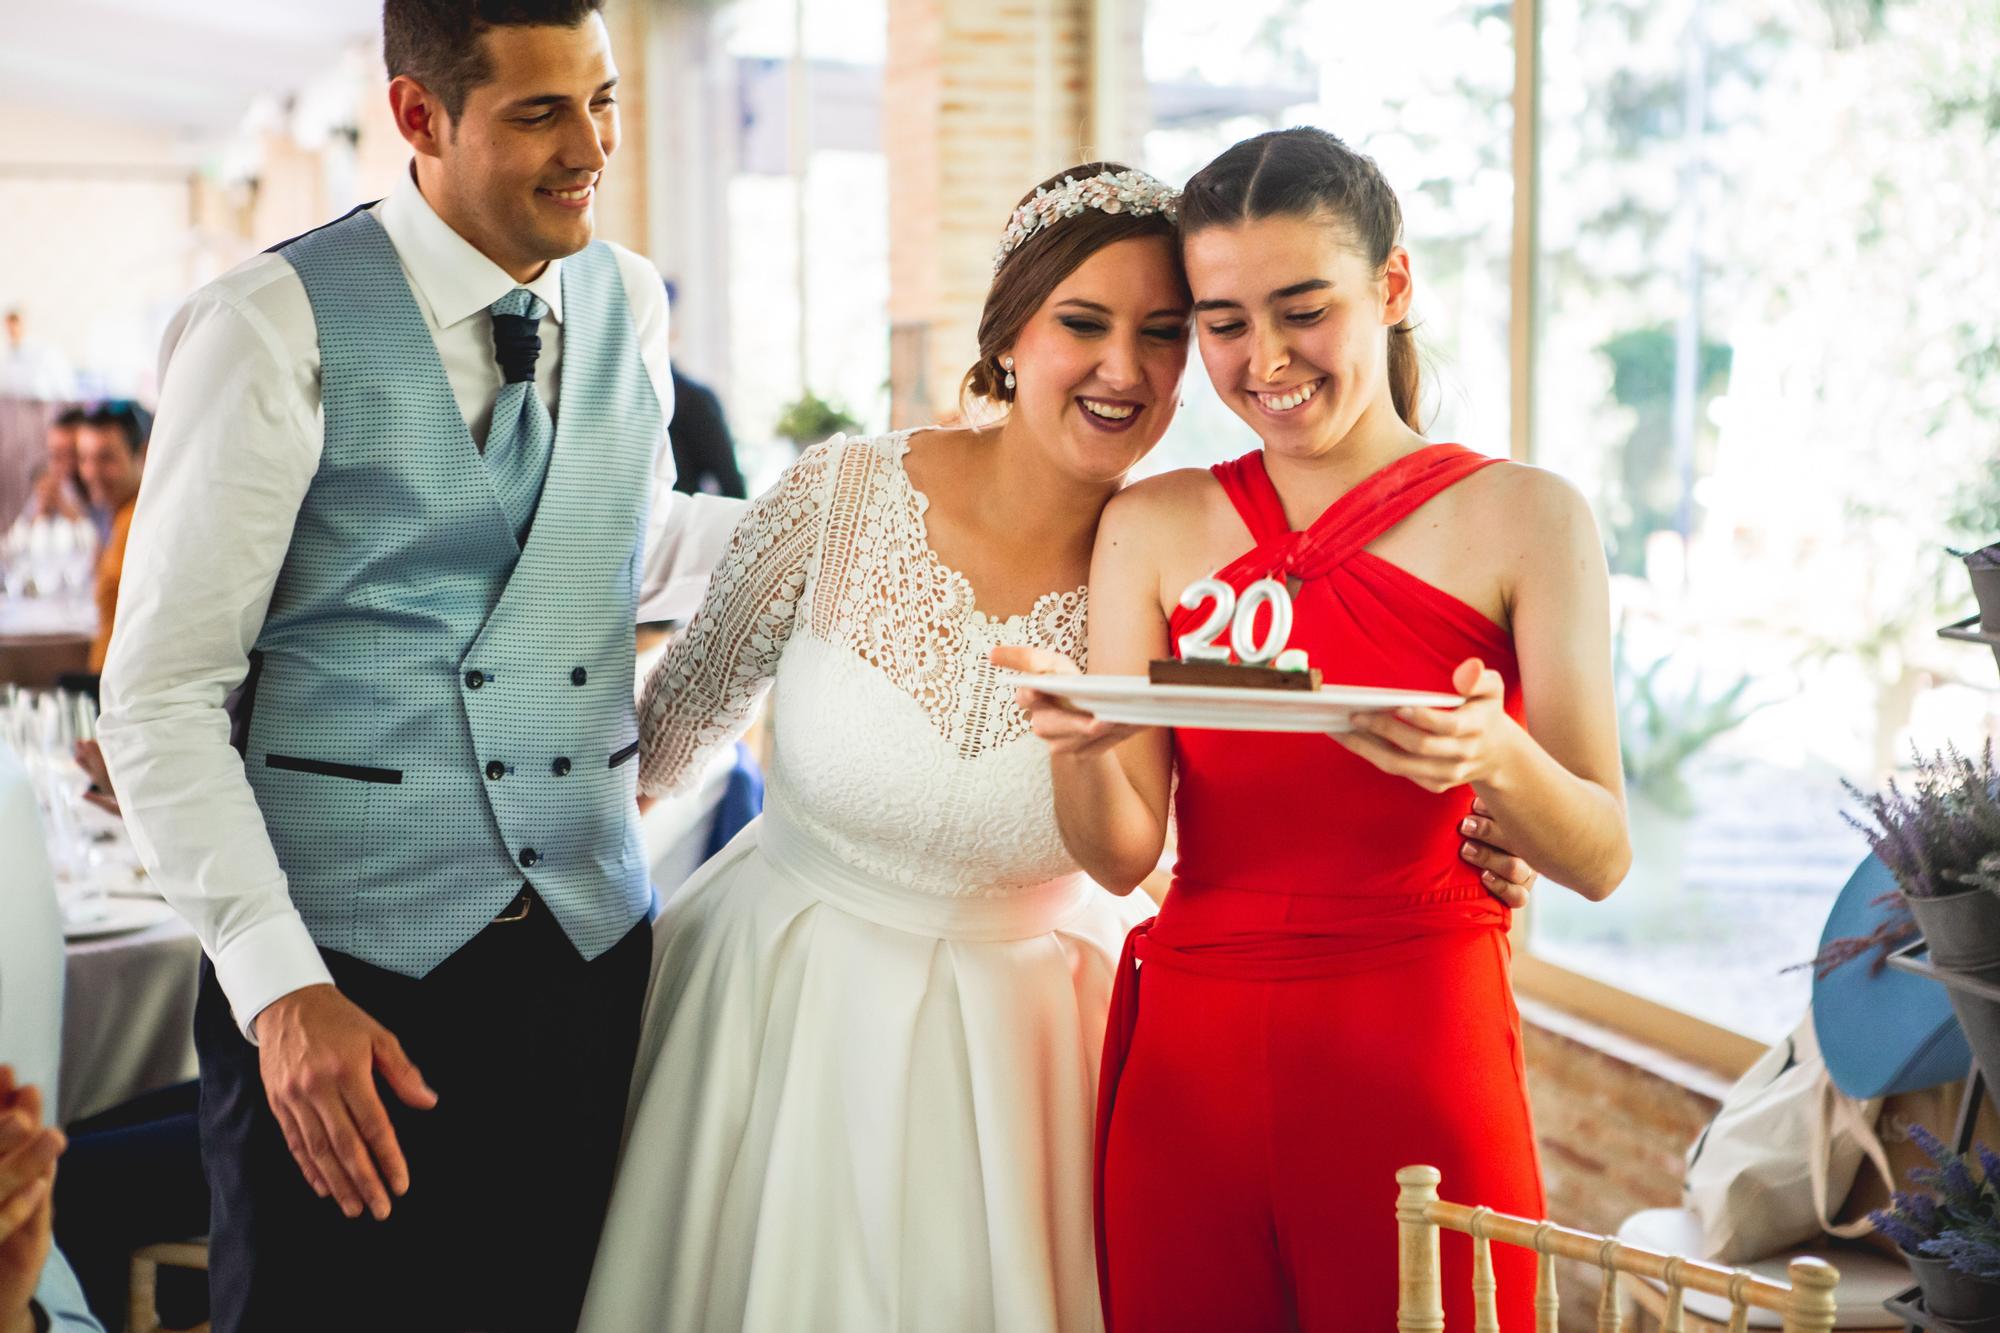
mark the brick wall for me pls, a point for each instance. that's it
(621, 196)
(983, 101)
(1613, 1120)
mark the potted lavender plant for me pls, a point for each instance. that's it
(1951, 1236)
(1940, 838)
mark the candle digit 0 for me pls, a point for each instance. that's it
(1242, 630)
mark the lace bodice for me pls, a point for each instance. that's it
(896, 746)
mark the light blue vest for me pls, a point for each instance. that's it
(436, 714)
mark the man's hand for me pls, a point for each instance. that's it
(28, 1153)
(1506, 876)
(319, 1054)
(91, 760)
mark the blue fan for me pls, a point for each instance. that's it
(1882, 1032)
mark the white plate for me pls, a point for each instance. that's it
(117, 916)
(1134, 699)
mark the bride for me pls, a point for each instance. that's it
(866, 1080)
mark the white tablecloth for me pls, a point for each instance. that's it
(128, 1017)
(46, 617)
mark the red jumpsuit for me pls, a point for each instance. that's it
(1325, 989)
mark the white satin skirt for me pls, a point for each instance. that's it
(860, 1107)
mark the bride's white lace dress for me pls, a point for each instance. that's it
(867, 1075)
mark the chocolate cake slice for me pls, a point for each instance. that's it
(1230, 675)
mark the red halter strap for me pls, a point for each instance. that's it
(1360, 516)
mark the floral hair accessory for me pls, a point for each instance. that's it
(1131, 192)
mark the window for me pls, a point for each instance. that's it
(1767, 350)
(808, 221)
(1766, 346)
(1437, 117)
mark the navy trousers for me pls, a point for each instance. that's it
(530, 1051)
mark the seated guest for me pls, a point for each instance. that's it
(111, 453)
(57, 492)
(131, 1176)
(37, 1290)
(31, 942)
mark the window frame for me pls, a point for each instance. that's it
(1707, 1045)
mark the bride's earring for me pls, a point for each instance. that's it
(1007, 364)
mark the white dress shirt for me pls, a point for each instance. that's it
(234, 449)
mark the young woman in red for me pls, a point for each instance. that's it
(1325, 993)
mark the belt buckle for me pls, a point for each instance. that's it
(518, 909)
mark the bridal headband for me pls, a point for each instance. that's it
(1131, 192)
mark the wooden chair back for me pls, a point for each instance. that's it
(1805, 1303)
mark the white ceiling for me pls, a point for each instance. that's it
(184, 67)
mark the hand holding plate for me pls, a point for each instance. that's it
(1068, 730)
(1439, 749)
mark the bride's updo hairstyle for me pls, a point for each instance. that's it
(1308, 173)
(1035, 266)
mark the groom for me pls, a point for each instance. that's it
(396, 512)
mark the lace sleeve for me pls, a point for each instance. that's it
(704, 691)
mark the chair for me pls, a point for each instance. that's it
(1867, 1278)
(141, 1316)
(1806, 1305)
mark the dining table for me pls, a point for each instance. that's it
(43, 639)
(128, 1008)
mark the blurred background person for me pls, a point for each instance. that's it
(111, 455)
(58, 492)
(31, 368)
(704, 453)
(33, 376)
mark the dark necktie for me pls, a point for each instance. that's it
(522, 436)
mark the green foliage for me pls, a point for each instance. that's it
(812, 419)
(1985, 875)
(1642, 379)
(1661, 729)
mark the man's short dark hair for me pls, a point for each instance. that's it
(124, 416)
(436, 42)
(71, 416)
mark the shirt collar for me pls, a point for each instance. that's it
(451, 275)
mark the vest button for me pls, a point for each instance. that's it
(530, 857)
(474, 679)
(496, 771)
(560, 768)
(578, 676)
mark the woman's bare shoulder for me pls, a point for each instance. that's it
(1526, 498)
(1167, 496)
